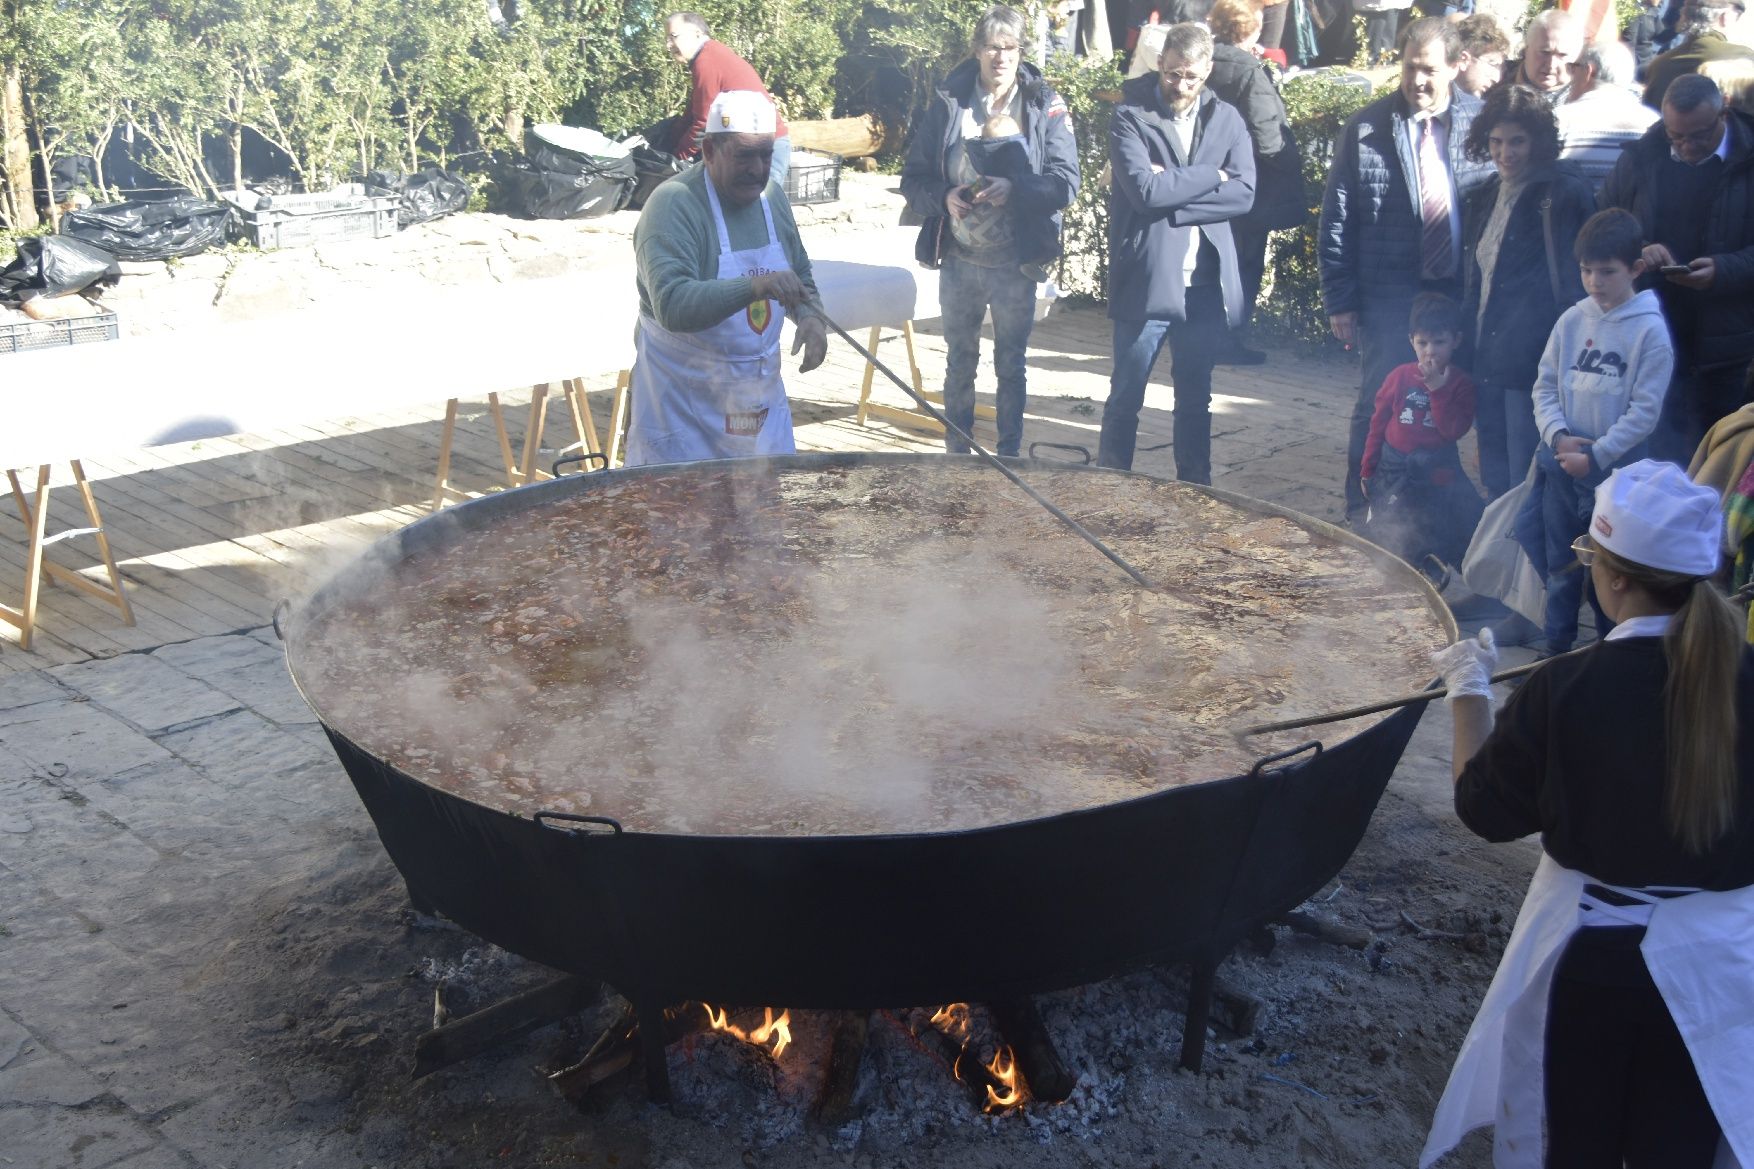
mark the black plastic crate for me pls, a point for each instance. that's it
(813, 177)
(25, 335)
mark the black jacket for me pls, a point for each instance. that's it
(1243, 80)
(1715, 327)
(1579, 754)
(1153, 218)
(1371, 224)
(1046, 126)
(1507, 346)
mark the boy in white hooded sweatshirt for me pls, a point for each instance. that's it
(1597, 398)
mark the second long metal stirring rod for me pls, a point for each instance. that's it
(991, 459)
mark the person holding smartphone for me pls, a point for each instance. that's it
(1690, 182)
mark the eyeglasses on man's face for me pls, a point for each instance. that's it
(1706, 135)
(1009, 50)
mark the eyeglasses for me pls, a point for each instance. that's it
(1585, 549)
(1698, 137)
(1001, 50)
(1185, 75)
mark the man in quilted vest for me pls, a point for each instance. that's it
(1391, 217)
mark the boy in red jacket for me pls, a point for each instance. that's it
(1422, 504)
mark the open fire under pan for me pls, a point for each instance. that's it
(1179, 875)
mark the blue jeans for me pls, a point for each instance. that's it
(1194, 346)
(1504, 418)
(965, 292)
(1550, 521)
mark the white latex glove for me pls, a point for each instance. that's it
(1467, 666)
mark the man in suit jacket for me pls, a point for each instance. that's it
(1392, 216)
(1183, 168)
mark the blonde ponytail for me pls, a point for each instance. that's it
(1704, 646)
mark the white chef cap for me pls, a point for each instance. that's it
(1650, 513)
(741, 111)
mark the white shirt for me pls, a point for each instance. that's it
(1595, 128)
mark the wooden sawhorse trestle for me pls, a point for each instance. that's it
(521, 468)
(911, 416)
(34, 511)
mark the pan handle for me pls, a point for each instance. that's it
(578, 458)
(562, 820)
(280, 611)
(1070, 447)
(1267, 761)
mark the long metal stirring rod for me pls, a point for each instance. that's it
(991, 459)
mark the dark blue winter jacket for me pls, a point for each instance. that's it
(1154, 217)
(1369, 244)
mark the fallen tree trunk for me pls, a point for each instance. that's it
(847, 137)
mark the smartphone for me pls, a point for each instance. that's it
(1674, 270)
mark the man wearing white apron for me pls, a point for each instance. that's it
(721, 265)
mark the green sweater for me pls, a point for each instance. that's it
(677, 247)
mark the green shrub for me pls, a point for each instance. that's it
(1318, 105)
(1090, 89)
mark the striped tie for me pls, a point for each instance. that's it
(1436, 259)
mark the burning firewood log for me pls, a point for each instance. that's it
(1047, 1075)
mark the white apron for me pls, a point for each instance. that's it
(1700, 950)
(715, 394)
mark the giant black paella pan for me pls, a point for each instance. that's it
(841, 731)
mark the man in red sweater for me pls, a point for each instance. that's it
(712, 69)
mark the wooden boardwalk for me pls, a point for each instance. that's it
(210, 535)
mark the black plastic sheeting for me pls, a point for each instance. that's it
(653, 166)
(53, 265)
(1181, 874)
(547, 155)
(429, 193)
(158, 230)
(535, 193)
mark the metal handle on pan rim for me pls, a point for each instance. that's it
(1061, 446)
(578, 458)
(1266, 761)
(280, 610)
(543, 818)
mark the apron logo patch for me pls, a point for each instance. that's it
(759, 314)
(746, 424)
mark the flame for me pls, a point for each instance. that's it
(779, 1030)
(955, 1021)
(1003, 1068)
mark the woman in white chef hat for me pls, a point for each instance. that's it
(1619, 1028)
